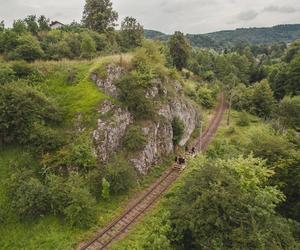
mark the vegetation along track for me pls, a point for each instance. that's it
(117, 228)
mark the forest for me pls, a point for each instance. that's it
(84, 129)
(226, 39)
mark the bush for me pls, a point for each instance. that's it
(262, 99)
(70, 197)
(243, 119)
(28, 196)
(21, 107)
(289, 112)
(120, 175)
(227, 204)
(81, 210)
(28, 49)
(6, 74)
(77, 156)
(44, 139)
(205, 96)
(105, 189)
(133, 91)
(178, 130)
(94, 180)
(88, 47)
(22, 69)
(134, 139)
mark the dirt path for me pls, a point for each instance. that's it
(119, 227)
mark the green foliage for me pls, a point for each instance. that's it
(180, 50)
(132, 33)
(28, 196)
(293, 80)
(178, 130)
(205, 96)
(289, 112)
(133, 94)
(88, 47)
(44, 139)
(43, 23)
(243, 119)
(72, 199)
(81, 209)
(32, 24)
(134, 139)
(292, 51)
(99, 15)
(105, 189)
(7, 74)
(28, 49)
(22, 69)
(227, 205)
(262, 99)
(19, 26)
(20, 108)
(77, 156)
(120, 175)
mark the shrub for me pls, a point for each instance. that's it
(77, 156)
(289, 112)
(71, 198)
(105, 189)
(81, 210)
(243, 119)
(6, 74)
(227, 204)
(88, 47)
(28, 49)
(20, 108)
(120, 175)
(205, 96)
(28, 196)
(178, 130)
(262, 99)
(134, 139)
(133, 94)
(44, 139)
(94, 180)
(22, 69)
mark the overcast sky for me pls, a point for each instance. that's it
(189, 16)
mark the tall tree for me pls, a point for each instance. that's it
(132, 33)
(262, 99)
(43, 23)
(19, 26)
(2, 26)
(32, 24)
(88, 47)
(180, 50)
(99, 15)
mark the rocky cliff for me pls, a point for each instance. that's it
(113, 121)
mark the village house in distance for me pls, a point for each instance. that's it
(56, 25)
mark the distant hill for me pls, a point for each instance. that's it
(280, 33)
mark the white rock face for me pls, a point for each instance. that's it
(186, 112)
(107, 85)
(159, 144)
(109, 132)
(160, 135)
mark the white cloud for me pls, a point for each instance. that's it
(190, 16)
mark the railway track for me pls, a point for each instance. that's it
(118, 227)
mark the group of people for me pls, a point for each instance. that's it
(180, 159)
